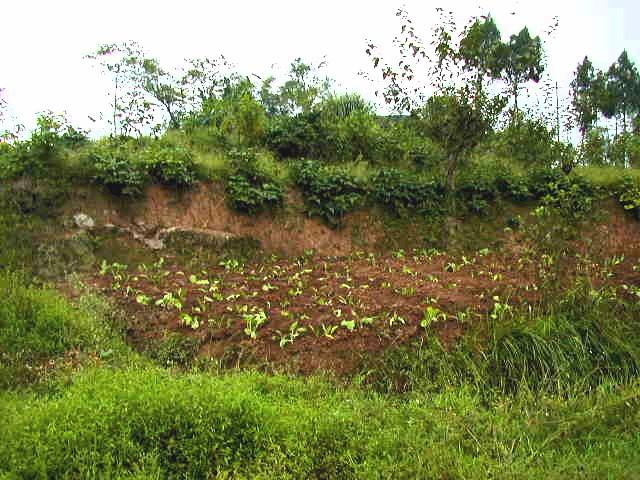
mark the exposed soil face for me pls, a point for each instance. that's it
(327, 309)
(204, 207)
(346, 307)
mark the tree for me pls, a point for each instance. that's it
(203, 79)
(459, 119)
(481, 49)
(3, 105)
(585, 96)
(300, 92)
(131, 106)
(141, 86)
(520, 61)
(623, 89)
(461, 112)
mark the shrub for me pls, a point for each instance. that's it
(114, 166)
(624, 150)
(249, 188)
(629, 196)
(487, 181)
(236, 119)
(572, 196)
(298, 136)
(175, 350)
(399, 191)
(594, 147)
(329, 192)
(170, 164)
(400, 143)
(526, 141)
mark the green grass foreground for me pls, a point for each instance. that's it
(152, 424)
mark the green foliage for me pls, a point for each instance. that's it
(401, 192)
(170, 164)
(629, 195)
(526, 141)
(329, 192)
(486, 182)
(235, 119)
(251, 189)
(38, 325)
(125, 166)
(402, 144)
(299, 93)
(458, 120)
(298, 136)
(588, 338)
(255, 426)
(114, 165)
(624, 150)
(33, 323)
(43, 152)
(572, 196)
(594, 147)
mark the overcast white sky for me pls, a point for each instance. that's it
(44, 41)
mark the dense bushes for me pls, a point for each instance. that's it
(125, 166)
(526, 141)
(234, 120)
(249, 187)
(629, 195)
(329, 193)
(42, 154)
(572, 196)
(114, 166)
(401, 192)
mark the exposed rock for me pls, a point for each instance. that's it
(186, 236)
(154, 243)
(84, 221)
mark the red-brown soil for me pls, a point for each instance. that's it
(386, 296)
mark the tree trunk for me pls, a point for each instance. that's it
(450, 221)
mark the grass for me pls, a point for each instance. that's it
(586, 339)
(38, 326)
(607, 177)
(151, 424)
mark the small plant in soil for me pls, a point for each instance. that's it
(253, 321)
(432, 314)
(290, 336)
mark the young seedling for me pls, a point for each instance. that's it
(432, 314)
(190, 320)
(290, 336)
(253, 321)
(328, 331)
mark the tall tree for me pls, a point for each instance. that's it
(623, 88)
(521, 61)
(461, 112)
(585, 95)
(142, 86)
(302, 90)
(480, 50)
(132, 110)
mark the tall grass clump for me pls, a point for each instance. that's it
(38, 325)
(588, 338)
